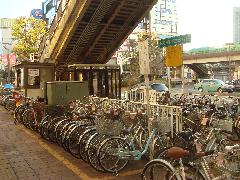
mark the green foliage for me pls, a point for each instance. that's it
(4, 74)
(28, 33)
(157, 63)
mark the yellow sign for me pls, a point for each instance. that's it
(174, 56)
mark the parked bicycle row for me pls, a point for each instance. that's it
(109, 133)
(89, 130)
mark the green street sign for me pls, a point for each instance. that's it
(182, 39)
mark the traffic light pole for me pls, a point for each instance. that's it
(9, 63)
(9, 69)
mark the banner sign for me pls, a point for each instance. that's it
(37, 13)
(33, 72)
(12, 58)
(4, 59)
(144, 57)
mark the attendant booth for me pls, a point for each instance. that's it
(31, 78)
(104, 80)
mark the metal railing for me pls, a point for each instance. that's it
(170, 116)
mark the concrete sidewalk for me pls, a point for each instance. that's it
(24, 155)
(22, 158)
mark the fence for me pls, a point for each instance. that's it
(169, 117)
(140, 96)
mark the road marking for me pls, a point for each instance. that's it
(70, 165)
(129, 173)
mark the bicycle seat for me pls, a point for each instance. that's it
(177, 152)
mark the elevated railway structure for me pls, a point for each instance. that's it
(90, 31)
(196, 59)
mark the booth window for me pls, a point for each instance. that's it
(33, 77)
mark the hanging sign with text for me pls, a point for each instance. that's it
(144, 57)
(33, 72)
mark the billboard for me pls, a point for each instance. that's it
(37, 13)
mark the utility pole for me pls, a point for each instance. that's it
(9, 64)
(229, 61)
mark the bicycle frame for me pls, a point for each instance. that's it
(135, 154)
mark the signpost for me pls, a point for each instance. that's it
(174, 52)
(144, 57)
(145, 70)
(182, 39)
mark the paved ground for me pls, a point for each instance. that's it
(24, 155)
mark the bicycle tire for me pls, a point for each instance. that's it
(71, 141)
(91, 148)
(148, 172)
(83, 141)
(115, 164)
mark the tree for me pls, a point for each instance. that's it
(28, 33)
(157, 62)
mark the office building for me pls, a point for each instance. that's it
(6, 39)
(236, 24)
(49, 8)
(162, 19)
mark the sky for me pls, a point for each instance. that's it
(209, 22)
(16, 8)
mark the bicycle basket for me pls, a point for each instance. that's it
(223, 124)
(105, 126)
(162, 124)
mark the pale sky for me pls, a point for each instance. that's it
(209, 21)
(16, 8)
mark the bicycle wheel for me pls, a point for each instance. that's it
(43, 131)
(108, 161)
(159, 169)
(91, 148)
(57, 129)
(71, 141)
(191, 172)
(65, 131)
(83, 139)
(51, 128)
(18, 112)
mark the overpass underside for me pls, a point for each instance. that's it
(90, 31)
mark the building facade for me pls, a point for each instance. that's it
(163, 17)
(49, 8)
(6, 39)
(236, 24)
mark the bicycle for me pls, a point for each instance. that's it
(161, 169)
(114, 153)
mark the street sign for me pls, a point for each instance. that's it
(174, 56)
(182, 39)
